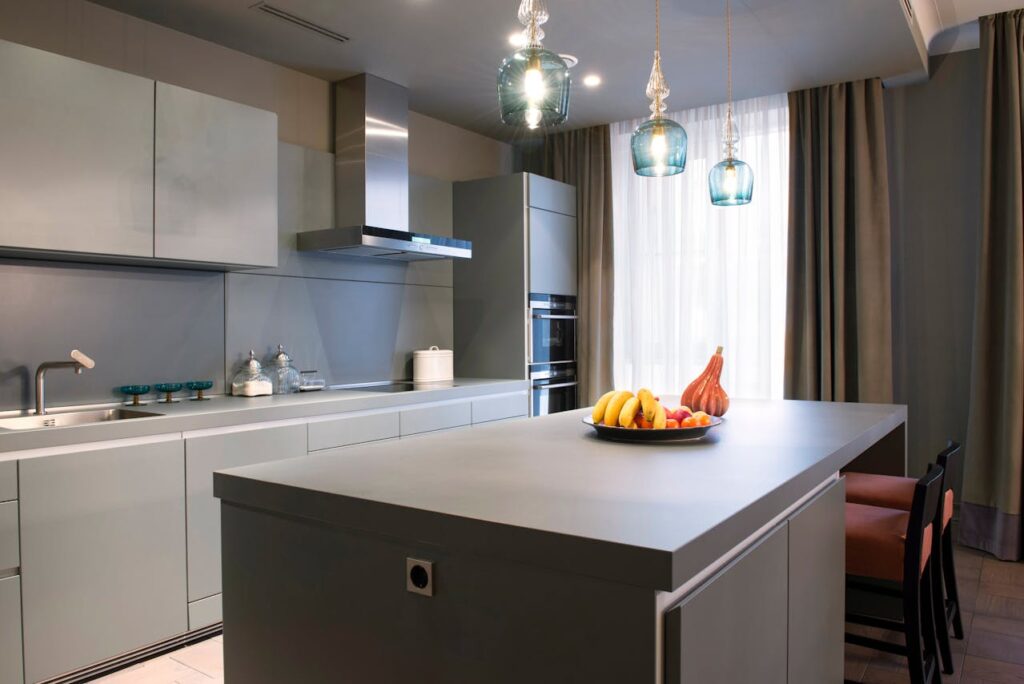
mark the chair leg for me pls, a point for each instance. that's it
(912, 629)
(949, 579)
(938, 613)
(929, 622)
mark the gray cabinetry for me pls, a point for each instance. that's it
(551, 195)
(733, 629)
(552, 253)
(8, 480)
(817, 580)
(218, 450)
(9, 553)
(102, 553)
(444, 416)
(11, 671)
(216, 180)
(76, 156)
(353, 429)
(501, 407)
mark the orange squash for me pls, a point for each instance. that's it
(706, 393)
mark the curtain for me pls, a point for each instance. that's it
(990, 515)
(582, 158)
(839, 308)
(690, 276)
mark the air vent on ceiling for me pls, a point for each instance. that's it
(285, 15)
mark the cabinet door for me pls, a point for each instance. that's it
(733, 629)
(8, 480)
(501, 407)
(218, 451)
(817, 584)
(552, 253)
(435, 417)
(216, 179)
(76, 155)
(552, 195)
(9, 555)
(102, 554)
(10, 631)
(359, 428)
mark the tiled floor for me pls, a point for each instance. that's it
(992, 652)
(991, 595)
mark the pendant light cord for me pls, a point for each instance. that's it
(657, 26)
(728, 74)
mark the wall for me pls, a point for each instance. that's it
(934, 145)
(352, 319)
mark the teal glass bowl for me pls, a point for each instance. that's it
(168, 386)
(199, 387)
(134, 391)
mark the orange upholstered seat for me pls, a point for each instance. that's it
(876, 541)
(890, 491)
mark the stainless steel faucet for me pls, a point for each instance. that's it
(78, 362)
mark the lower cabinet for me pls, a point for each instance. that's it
(434, 417)
(210, 450)
(10, 631)
(733, 629)
(102, 553)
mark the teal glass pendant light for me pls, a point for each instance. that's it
(533, 83)
(658, 144)
(731, 181)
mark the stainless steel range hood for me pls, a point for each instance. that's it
(371, 179)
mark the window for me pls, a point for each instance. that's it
(690, 276)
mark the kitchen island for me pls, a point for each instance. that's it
(532, 551)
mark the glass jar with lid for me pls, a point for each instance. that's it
(251, 381)
(285, 376)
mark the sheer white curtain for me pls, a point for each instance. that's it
(690, 276)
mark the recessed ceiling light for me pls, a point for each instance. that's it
(570, 60)
(591, 80)
(517, 39)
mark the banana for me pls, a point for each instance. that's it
(598, 415)
(627, 416)
(660, 418)
(648, 403)
(614, 408)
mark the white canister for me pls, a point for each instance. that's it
(432, 365)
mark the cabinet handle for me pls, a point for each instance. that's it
(559, 317)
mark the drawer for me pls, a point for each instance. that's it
(10, 556)
(354, 429)
(8, 480)
(205, 612)
(11, 670)
(436, 417)
(501, 407)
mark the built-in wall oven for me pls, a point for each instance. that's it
(552, 357)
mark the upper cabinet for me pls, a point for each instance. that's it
(551, 195)
(216, 179)
(96, 166)
(76, 156)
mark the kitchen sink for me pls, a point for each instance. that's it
(71, 418)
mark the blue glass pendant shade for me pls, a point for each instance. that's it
(533, 88)
(731, 182)
(659, 148)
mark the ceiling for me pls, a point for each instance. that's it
(447, 51)
(951, 25)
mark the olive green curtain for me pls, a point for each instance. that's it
(583, 158)
(990, 514)
(839, 295)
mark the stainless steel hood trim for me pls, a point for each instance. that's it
(371, 179)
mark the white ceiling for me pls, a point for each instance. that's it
(447, 51)
(951, 25)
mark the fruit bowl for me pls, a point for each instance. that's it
(622, 434)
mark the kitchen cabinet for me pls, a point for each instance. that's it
(501, 407)
(216, 180)
(205, 612)
(433, 417)
(733, 629)
(217, 449)
(817, 584)
(8, 480)
(76, 156)
(9, 546)
(11, 671)
(102, 553)
(552, 253)
(356, 428)
(551, 195)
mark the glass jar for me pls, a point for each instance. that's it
(251, 381)
(285, 376)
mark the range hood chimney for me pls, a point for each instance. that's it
(371, 179)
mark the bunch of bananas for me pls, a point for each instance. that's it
(624, 409)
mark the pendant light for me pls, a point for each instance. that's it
(659, 144)
(533, 83)
(731, 181)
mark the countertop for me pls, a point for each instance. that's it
(222, 411)
(547, 492)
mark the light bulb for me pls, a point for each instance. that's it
(533, 85)
(532, 117)
(729, 183)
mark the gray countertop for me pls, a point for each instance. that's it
(222, 411)
(547, 492)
